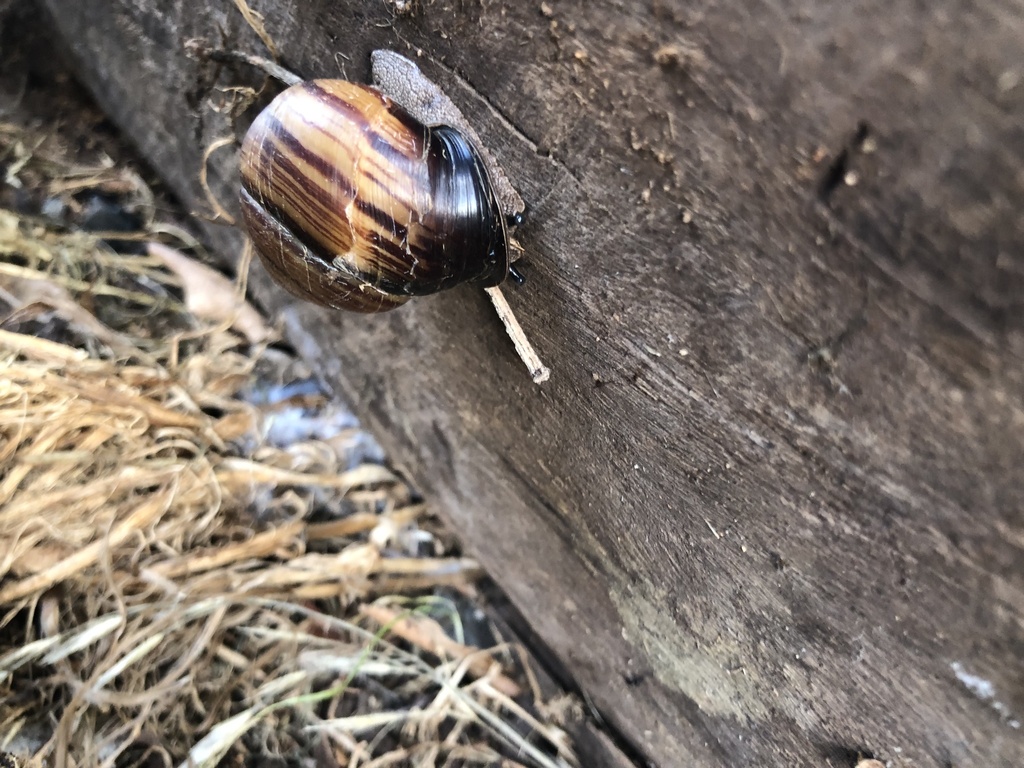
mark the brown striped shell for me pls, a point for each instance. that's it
(352, 203)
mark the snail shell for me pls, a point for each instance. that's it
(352, 203)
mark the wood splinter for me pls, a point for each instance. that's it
(538, 371)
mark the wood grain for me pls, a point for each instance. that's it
(769, 509)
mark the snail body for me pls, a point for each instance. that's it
(353, 203)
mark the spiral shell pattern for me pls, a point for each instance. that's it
(352, 203)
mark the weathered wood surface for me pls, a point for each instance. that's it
(771, 503)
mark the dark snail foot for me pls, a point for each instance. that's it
(513, 221)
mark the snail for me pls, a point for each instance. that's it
(354, 204)
(361, 198)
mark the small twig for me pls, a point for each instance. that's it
(425, 633)
(219, 210)
(255, 22)
(200, 49)
(538, 371)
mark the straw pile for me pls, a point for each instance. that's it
(189, 571)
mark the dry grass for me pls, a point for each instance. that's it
(176, 587)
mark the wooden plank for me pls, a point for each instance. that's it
(769, 510)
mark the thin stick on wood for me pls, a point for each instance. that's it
(255, 22)
(272, 68)
(219, 210)
(538, 371)
(200, 49)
